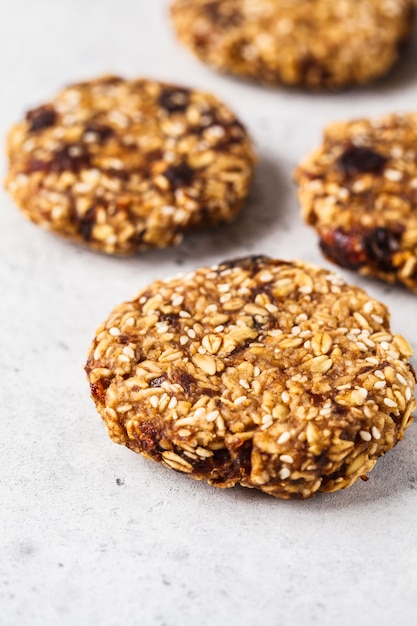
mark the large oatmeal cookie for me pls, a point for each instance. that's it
(125, 165)
(313, 43)
(359, 191)
(275, 375)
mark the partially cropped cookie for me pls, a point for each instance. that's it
(275, 375)
(359, 191)
(312, 43)
(126, 165)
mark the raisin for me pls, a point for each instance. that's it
(71, 157)
(114, 172)
(102, 131)
(154, 155)
(150, 436)
(170, 318)
(357, 160)
(40, 118)
(86, 223)
(312, 71)
(180, 175)
(98, 390)
(380, 244)
(223, 18)
(174, 100)
(35, 165)
(343, 248)
(157, 382)
(184, 379)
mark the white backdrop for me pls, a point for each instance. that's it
(92, 534)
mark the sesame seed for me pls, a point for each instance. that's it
(184, 314)
(384, 345)
(225, 298)
(362, 347)
(129, 352)
(363, 392)
(378, 319)
(368, 306)
(130, 321)
(285, 396)
(240, 400)
(172, 403)
(390, 403)
(284, 437)
(220, 423)
(244, 383)
(286, 458)
(154, 401)
(124, 409)
(183, 340)
(380, 384)
(408, 393)
(401, 379)
(210, 417)
(223, 288)
(143, 300)
(369, 412)
(200, 412)
(219, 329)
(191, 333)
(271, 307)
(365, 435)
(372, 360)
(284, 473)
(115, 332)
(375, 433)
(393, 175)
(256, 371)
(295, 330)
(177, 301)
(379, 374)
(301, 318)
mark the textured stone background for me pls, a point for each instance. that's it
(93, 534)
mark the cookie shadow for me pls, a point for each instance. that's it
(262, 213)
(403, 74)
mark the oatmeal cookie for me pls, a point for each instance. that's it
(312, 43)
(272, 374)
(126, 165)
(359, 191)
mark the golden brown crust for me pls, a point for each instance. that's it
(313, 43)
(271, 374)
(123, 166)
(359, 191)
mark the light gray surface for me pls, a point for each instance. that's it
(160, 549)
